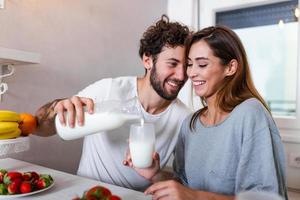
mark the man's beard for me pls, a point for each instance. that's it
(158, 86)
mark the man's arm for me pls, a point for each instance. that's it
(45, 119)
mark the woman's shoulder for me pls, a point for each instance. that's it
(251, 106)
(252, 113)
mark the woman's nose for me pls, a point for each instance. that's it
(191, 72)
(181, 73)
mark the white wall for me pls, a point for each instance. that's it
(80, 41)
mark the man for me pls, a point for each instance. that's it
(162, 54)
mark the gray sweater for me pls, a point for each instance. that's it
(244, 152)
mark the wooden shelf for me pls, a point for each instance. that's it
(18, 57)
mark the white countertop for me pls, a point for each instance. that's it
(66, 186)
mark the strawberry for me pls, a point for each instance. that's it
(91, 198)
(30, 176)
(11, 176)
(3, 189)
(13, 187)
(106, 192)
(114, 197)
(25, 187)
(42, 183)
(46, 176)
(27, 176)
(2, 173)
(34, 176)
(98, 192)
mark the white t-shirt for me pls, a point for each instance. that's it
(103, 153)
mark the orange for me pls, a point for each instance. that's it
(28, 123)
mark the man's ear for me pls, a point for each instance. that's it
(231, 67)
(148, 62)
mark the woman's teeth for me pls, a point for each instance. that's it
(196, 83)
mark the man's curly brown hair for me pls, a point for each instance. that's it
(163, 33)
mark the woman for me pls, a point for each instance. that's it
(232, 144)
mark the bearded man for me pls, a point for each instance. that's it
(163, 55)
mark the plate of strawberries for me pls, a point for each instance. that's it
(18, 184)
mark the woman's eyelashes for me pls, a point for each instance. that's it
(199, 65)
(202, 65)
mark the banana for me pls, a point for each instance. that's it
(7, 127)
(13, 134)
(9, 116)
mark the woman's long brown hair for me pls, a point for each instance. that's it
(227, 46)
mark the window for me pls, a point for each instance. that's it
(270, 36)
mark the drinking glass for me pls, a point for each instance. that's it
(142, 144)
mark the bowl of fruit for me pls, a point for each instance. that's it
(16, 184)
(14, 129)
(98, 193)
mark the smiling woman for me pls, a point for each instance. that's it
(267, 46)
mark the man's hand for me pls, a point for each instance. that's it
(46, 114)
(74, 107)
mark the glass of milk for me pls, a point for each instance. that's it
(142, 144)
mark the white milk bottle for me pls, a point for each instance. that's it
(142, 144)
(107, 115)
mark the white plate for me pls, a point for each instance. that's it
(26, 194)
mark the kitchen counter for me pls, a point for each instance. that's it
(66, 186)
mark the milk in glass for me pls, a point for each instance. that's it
(142, 144)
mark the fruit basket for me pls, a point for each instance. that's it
(14, 131)
(12, 146)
